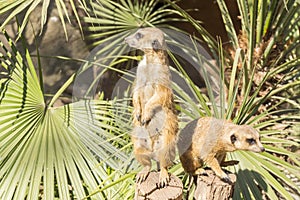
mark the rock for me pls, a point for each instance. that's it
(211, 187)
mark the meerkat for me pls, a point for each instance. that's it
(154, 117)
(206, 141)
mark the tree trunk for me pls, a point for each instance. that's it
(211, 187)
(149, 190)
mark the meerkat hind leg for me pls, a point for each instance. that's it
(165, 160)
(145, 161)
(143, 174)
(164, 177)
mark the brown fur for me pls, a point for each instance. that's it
(155, 122)
(206, 141)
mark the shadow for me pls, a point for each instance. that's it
(249, 183)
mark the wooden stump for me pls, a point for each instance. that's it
(148, 189)
(212, 187)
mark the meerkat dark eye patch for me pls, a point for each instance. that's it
(156, 45)
(233, 139)
(138, 36)
(251, 141)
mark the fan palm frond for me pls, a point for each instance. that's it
(54, 152)
(15, 7)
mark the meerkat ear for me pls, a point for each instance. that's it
(233, 138)
(156, 45)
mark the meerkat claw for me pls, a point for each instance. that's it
(138, 117)
(141, 177)
(226, 179)
(163, 182)
(164, 179)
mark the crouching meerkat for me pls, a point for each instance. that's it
(206, 141)
(154, 118)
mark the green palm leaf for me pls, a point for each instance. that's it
(15, 7)
(54, 152)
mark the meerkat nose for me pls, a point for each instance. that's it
(262, 149)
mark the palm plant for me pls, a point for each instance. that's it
(53, 151)
(256, 95)
(66, 10)
(83, 150)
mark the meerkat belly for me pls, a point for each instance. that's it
(205, 145)
(149, 90)
(143, 138)
(151, 142)
(157, 146)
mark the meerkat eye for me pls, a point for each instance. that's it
(251, 141)
(138, 36)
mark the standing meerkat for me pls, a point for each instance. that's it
(206, 141)
(155, 121)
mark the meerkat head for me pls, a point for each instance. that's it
(245, 137)
(147, 38)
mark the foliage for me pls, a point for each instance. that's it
(53, 151)
(82, 150)
(262, 65)
(26, 7)
(112, 18)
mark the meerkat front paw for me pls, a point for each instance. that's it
(200, 171)
(138, 117)
(146, 118)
